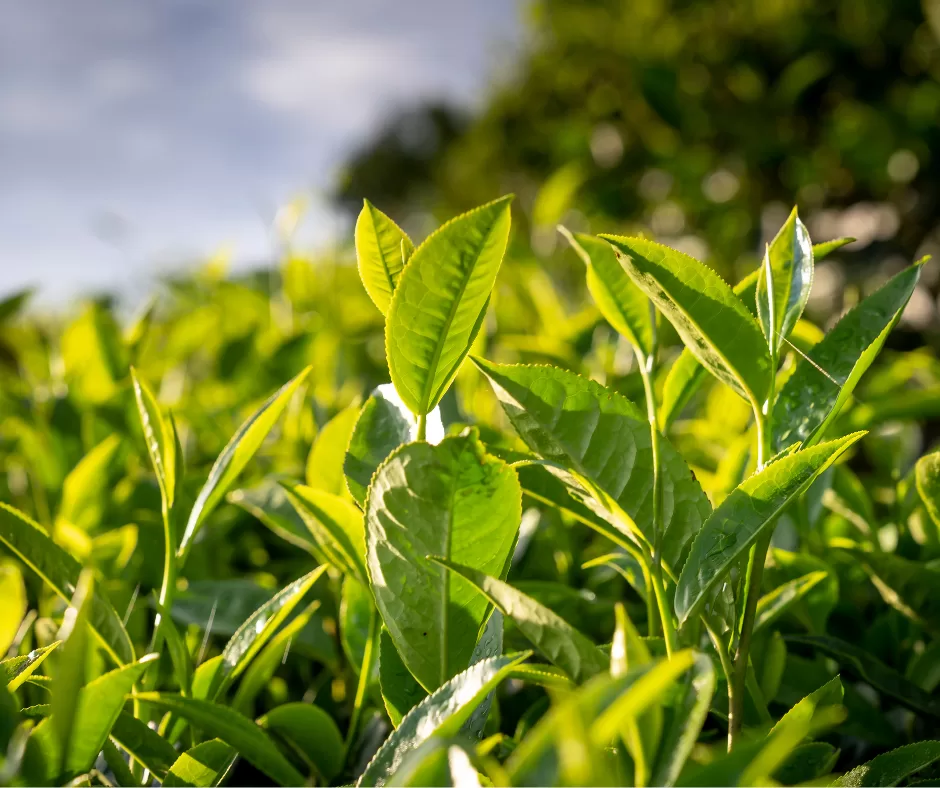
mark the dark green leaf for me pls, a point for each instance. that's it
(310, 733)
(744, 514)
(144, 743)
(400, 692)
(452, 500)
(773, 605)
(892, 767)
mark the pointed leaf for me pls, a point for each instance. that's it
(239, 732)
(308, 730)
(808, 713)
(744, 514)
(602, 437)
(268, 501)
(786, 277)
(258, 629)
(382, 248)
(555, 638)
(384, 424)
(621, 302)
(16, 670)
(440, 301)
(892, 767)
(453, 500)
(712, 321)
(235, 456)
(206, 764)
(85, 486)
(826, 248)
(159, 437)
(815, 392)
(440, 714)
(336, 526)
(97, 707)
(325, 461)
(773, 605)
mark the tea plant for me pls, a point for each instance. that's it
(550, 596)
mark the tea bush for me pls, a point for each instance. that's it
(688, 541)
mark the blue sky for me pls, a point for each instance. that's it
(141, 136)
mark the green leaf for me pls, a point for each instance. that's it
(206, 764)
(96, 709)
(814, 394)
(336, 525)
(453, 500)
(17, 669)
(159, 437)
(179, 653)
(356, 609)
(744, 514)
(145, 744)
(807, 762)
(785, 279)
(438, 762)
(384, 424)
(400, 692)
(310, 733)
(13, 594)
(712, 321)
(325, 462)
(258, 629)
(621, 302)
(118, 765)
(268, 501)
(272, 656)
(773, 605)
(235, 456)
(892, 767)
(84, 488)
(382, 248)
(237, 731)
(440, 302)
(873, 671)
(441, 714)
(927, 481)
(826, 248)
(810, 713)
(604, 439)
(685, 723)
(910, 587)
(555, 638)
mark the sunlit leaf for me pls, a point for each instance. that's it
(382, 248)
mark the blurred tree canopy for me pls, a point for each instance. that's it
(690, 117)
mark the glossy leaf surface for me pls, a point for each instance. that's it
(382, 248)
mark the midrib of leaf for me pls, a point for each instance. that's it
(388, 274)
(455, 304)
(445, 591)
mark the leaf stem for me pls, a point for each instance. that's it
(422, 427)
(752, 583)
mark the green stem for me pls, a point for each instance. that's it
(365, 673)
(422, 427)
(752, 585)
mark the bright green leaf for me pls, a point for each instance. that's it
(206, 764)
(773, 605)
(826, 248)
(16, 670)
(13, 594)
(325, 461)
(440, 302)
(382, 248)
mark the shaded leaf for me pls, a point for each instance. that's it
(16, 670)
(206, 764)
(144, 743)
(892, 767)
(400, 692)
(310, 733)
(773, 605)
(267, 501)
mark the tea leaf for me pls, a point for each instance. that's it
(84, 487)
(308, 731)
(144, 743)
(29, 542)
(785, 279)
(336, 526)
(453, 500)
(440, 302)
(441, 714)
(237, 731)
(816, 391)
(558, 641)
(206, 764)
(384, 424)
(235, 456)
(400, 692)
(892, 767)
(159, 437)
(773, 605)
(579, 425)
(16, 670)
(325, 461)
(13, 594)
(826, 248)
(382, 249)
(712, 321)
(268, 502)
(744, 514)
(621, 302)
